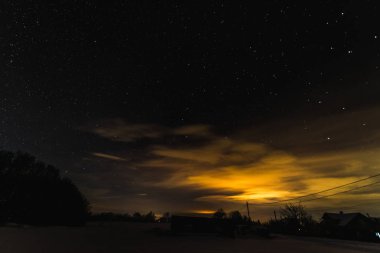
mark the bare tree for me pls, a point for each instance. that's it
(296, 219)
(294, 212)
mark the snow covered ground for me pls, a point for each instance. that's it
(135, 237)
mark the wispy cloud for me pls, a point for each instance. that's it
(122, 131)
(193, 130)
(108, 156)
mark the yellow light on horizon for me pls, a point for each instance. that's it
(203, 211)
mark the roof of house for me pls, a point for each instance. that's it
(342, 218)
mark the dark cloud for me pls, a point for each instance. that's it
(346, 130)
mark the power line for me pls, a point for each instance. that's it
(315, 193)
(337, 193)
(353, 189)
(370, 201)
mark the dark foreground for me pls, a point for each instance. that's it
(139, 237)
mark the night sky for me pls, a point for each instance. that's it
(191, 106)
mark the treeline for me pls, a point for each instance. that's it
(234, 216)
(32, 192)
(290, 219)
(135, 217)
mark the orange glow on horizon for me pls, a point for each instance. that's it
(203, 211)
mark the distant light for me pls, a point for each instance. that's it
(377, 235)
(203, 211)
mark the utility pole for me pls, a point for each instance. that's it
(275, 215)
(249, 216)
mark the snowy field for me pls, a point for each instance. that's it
(134, 237)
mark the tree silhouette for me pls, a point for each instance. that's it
(34, 193)
(150, 217)
(236, 216)
(296, 212)
(295, 218)
(137, 216)
(219, 214)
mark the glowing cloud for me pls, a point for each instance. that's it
(215, 169)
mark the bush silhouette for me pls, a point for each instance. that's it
(34, 193)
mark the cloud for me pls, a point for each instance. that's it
(218, 151)
(262, 164)
(193, 130)
(242, 168)
(250, 170)
(108, 156)
(120, 130)
(346, 130)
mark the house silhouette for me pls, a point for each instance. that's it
(354, 226)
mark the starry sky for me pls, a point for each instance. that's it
(188, 106)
